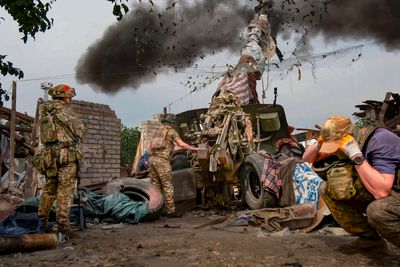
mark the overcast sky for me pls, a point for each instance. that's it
(53, 56)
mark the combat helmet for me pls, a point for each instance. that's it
(167, 118)
(62, 91)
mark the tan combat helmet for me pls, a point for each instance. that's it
(62, 91)
(167, 118)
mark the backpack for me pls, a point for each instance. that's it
(160, 140)
(56, 122)
(48, 128)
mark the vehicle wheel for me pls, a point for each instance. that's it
(253, 193)
(179, 161)
(139, 190)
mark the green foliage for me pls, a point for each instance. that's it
(7, 68)
(362, 122)
(31, 17)
(119, 9)
(129, 140)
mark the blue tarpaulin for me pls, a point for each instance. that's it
(116, 207)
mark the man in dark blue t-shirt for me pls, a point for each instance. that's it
(376, 163)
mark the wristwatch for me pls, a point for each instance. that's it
(358, 159)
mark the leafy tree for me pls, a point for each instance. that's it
(7, 68)
(129, 141)
(31, 17)
(119, 9)
(361, 122)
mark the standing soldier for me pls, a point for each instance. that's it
(161, 148)
(60, 134)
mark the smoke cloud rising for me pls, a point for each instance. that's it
(377, 20)
(153, 39)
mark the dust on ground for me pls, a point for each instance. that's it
(193, 241)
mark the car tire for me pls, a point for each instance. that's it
(139, 190)
(179, 161)
(253, 193)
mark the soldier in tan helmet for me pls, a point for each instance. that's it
(362, 189)
(61, 132)
(161, 148)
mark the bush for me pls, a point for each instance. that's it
(129, 140)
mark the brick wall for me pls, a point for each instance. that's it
(102, 146)
(148, 130)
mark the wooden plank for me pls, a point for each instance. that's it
(17, 128)
(1, 165)
(392, 123)
(7, 117)
(381, 115)
(18, 138)
(31, 173)
(11, 166)
(17, 114)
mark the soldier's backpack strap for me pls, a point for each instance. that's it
(362, 135)
(48, 129)
(396, 184)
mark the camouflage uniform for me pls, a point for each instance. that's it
(60, 132)
(358, 212)
(160, 168)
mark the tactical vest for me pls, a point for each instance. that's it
(60, 133)
(159, 141)
(362, 136)
(59, 124)
(338, 170)
(48, 129)
(342, 178)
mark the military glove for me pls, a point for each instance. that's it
(350, 147)
(320, 140)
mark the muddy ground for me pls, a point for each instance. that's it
(187, 241)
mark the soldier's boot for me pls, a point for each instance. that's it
(44, 226)
(65, 233)
(71, 234)
(370, 235)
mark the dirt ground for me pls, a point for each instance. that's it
(187, 241)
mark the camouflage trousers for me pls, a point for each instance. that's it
(59, 188)
(160, 177)
(362, 214)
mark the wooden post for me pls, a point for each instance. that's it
(31, 173)
(1, 164)
(11, 166)
(381, 115)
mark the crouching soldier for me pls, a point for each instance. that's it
(363, 181)
(60, 134)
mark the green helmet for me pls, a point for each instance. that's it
(62, 91)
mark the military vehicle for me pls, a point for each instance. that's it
(227, 166)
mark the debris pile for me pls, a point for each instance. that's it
(384, 113)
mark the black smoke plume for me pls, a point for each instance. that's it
(153, 39)
(375, 20)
